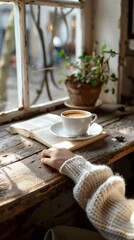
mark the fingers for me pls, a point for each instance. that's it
(55, 157)
(46, 161)
(47, 152)
(52, 162)
(46, 157)
(51, 157)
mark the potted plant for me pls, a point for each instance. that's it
(85, 76)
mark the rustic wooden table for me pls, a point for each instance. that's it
(24, 181)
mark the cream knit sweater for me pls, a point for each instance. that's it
(102, 195)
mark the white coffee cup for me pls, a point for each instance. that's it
(76, 122)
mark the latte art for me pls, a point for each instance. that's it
(77, 122)
(76, 115)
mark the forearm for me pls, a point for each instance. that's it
(87, 177)
(102, 195)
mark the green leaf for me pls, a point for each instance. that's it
(104, 46)
(66, 59)
(96, 42)
(106, 90)
(106, 78)
(61, 53)
(113, 53)
(113, 91)
(94, 82)
(60, 81)
(113, 77)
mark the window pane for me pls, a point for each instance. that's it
(50, 29)
(8, 78)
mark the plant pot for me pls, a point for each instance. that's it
(82, 94)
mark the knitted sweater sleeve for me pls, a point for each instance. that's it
(102, 195)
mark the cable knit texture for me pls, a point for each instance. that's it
(102, 195)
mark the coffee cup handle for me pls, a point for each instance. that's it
(94, 116)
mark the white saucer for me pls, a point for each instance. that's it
(94, 129)
(90, 108)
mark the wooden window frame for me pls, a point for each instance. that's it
(25, 110)
(131, 19)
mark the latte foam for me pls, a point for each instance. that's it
(76, 115)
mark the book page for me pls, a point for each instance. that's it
(28, 126)
(47, 138)
(38, 128)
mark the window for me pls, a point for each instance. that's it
(8, 76)
(30, 37)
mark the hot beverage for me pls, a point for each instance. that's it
(77, 122)
(76, 114)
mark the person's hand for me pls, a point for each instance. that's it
(55, 157)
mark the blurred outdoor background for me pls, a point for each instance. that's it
(49, 29)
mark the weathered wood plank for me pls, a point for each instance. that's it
(106, 151)
(110, 112)
(24, 181)
(21, 147)
(119, 143)
(14, 143)
(21, 114)
(15, 148)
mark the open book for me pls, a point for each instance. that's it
(38, 128)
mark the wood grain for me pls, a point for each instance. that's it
(24, 181)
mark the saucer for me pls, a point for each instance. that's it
(90, 108)
(94, 129)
